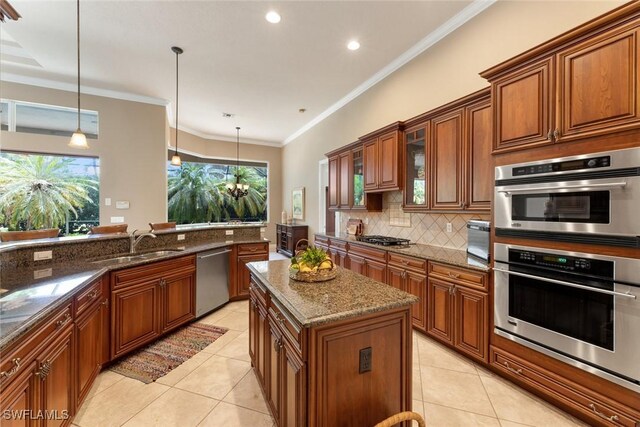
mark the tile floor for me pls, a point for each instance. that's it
(217, 387)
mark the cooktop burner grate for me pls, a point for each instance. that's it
(383, 240)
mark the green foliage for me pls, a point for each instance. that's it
(197, 193)
(39, 191)
(312, 257)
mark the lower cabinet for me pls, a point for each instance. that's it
(37, 379)
(150, 300)
(416, 284)
(274, 371)
(458, 310)
(357, 264)
(240, 257)
(90, 339)
(293, 390)
(376, 270)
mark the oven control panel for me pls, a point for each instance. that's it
(589, 163)
(562, 262)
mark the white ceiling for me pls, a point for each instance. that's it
(234, 60)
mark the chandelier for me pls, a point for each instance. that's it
(237, 190)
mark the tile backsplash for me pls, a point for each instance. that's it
(425, 228)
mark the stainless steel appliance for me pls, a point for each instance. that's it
(581, 308)
(590, 198)
(478, 239)
(212, 280)
(383, 240)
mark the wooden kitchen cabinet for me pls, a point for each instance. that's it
(417, 167)
(56, 373)
(293, 391)
(345, 181)
(90, 341)
(382, 159)
(458, 309)
(582, 84)
(334, 195)
(20, 393)
(447, 161)
(150, 300)
(178, 300)
(240, 256)
(439, 311)
(135, 318)
(376, 270)
(274, 373)
(413, 283)
(478, 171)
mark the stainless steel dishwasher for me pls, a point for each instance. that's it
(212, 280)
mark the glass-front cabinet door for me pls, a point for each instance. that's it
(358, 180)
(416, 167)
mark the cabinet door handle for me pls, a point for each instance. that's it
(106, 303)
(556, 135)
(452, 290)
(162, 283)
(60, 323)
(515, 371)
(550, 135)
(613, 418)
(13, 370)
(453, 275)
(277, 345)
(44, 370)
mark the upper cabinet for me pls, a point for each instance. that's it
(417, 166)
(382, 158)
(448, 158)
(346, 180)
(582, 84)
(479, 174)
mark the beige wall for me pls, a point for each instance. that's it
(447, 71)
(227, 150)
(131, 146)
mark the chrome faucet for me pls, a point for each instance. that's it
(133, 240)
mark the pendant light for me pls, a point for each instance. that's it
(237, 190)
(78, 139)
(175, 160)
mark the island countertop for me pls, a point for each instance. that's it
(348, 295)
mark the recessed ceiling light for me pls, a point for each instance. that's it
(273, 17)
(353, 45)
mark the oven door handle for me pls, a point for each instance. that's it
(560, 282)
(584, 187)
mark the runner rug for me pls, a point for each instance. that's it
(164, 355)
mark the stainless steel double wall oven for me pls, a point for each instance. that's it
(581, 308)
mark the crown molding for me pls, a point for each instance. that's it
(434, 37)
(86, 90)
(213, 137)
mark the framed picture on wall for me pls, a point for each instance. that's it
(297, 203)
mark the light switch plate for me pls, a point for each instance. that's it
(228, 232)
(39, 256)
(39, 274)
(107, 201)
(122, 204)
(180, 236)
(449, 228)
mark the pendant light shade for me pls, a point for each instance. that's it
(176, 160)
(78, 139)
(235, 189)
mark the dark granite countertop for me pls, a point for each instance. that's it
(348, 295)
(428, 252)
(28, 294)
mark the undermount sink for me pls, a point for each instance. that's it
(122, 258)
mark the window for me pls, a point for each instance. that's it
(47, 119)
(49, 191)
(197, 191)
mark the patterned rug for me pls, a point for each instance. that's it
(161, 357)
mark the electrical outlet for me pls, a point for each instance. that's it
(228, 232)
(180, 236)
(39, 256)
(41, 274)
(365, 360)
(366, 221)
(449, 228)
(107, 201)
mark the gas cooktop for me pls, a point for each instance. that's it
(383, 240)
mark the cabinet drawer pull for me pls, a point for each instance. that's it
(404, 262)
(106, 303)
(277, 345)
(60, 323)
(279, 319)
(453, 275)
(93, 294)
(163, 283)
(44, 370)
(13, 370)
(515, 371)
(613, 418)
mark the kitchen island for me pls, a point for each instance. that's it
(335, 353)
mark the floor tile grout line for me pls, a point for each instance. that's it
(145, 407)
(461, 410)
(484, 387)
(105, 389)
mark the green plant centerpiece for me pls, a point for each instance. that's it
(312, 265)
